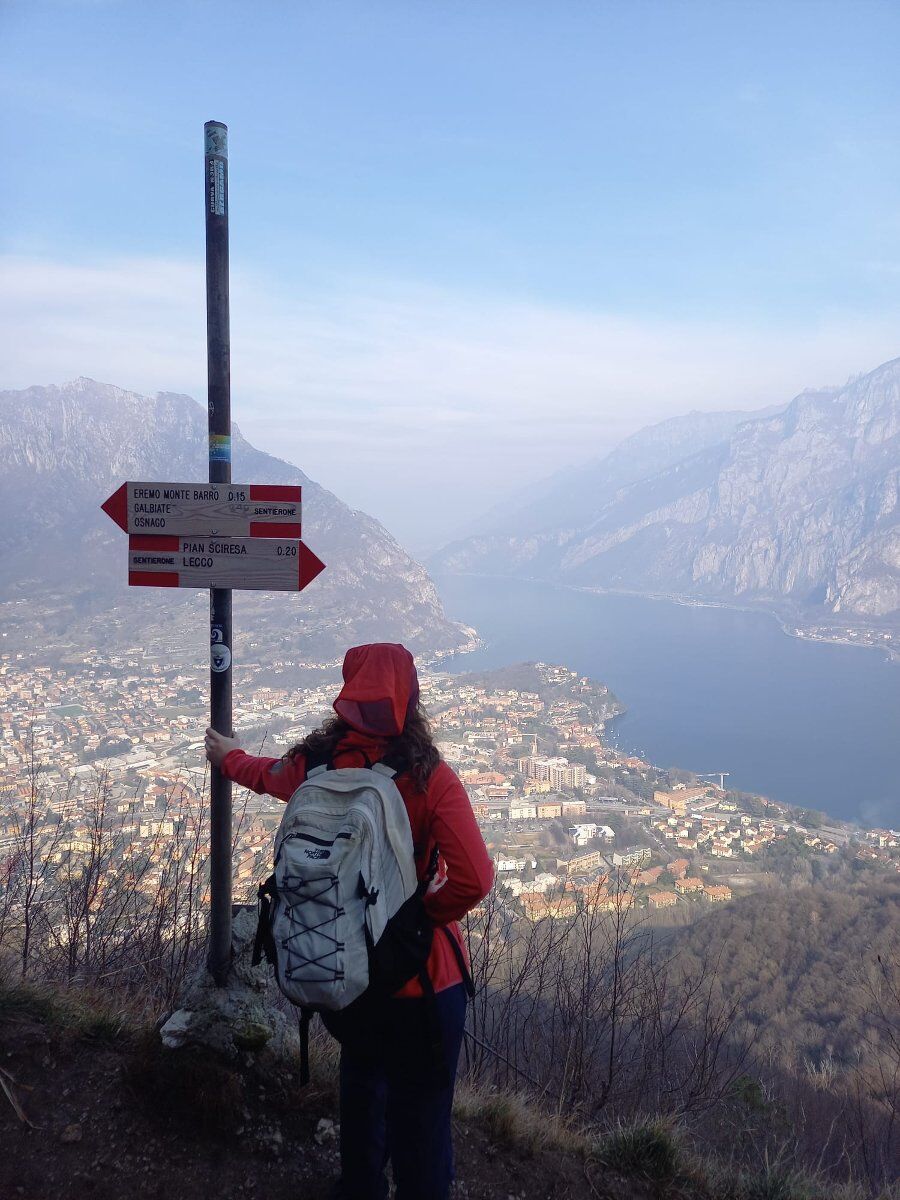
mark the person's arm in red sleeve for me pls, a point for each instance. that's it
(470, 872)
(276, 777)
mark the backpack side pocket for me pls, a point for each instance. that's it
(308, 929)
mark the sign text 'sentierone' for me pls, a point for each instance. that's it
(227, 509)
(248, 564)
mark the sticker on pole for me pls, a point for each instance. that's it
(219, 657)
(216, 185)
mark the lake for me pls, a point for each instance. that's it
(710, 689)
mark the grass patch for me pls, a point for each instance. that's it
(324, 1067)
(504, 1120)
(77, 1012)
(775, 1181)
(27, 1002)
(512, 1121)
(779, 1183)
(774, 1185)
(647, 1150)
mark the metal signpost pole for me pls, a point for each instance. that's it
(218, 353)
(218, 535)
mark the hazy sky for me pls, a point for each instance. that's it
(471, 242)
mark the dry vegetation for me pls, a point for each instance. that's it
(678, 1060)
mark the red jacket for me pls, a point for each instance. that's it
(440, 815)
(380, 687)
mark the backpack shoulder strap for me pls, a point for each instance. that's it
(317, 763)
(461, 962)
(305, 1018)
(396, 761)
(264, 942)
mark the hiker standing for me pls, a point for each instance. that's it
(398, 1054)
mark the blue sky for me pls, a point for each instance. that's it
(471, 243)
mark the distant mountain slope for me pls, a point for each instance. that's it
(563, 500)
(799, 505)
(63, 450)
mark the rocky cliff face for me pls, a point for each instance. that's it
(63, 450)
(799, 505)
(562, 501)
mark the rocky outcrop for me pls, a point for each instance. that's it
(239, 1016)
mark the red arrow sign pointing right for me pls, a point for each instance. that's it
(310, 566)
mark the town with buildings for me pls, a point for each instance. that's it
(572, 823)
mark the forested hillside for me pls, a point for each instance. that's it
(802, 964)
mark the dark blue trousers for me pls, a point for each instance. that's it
(397, 1098)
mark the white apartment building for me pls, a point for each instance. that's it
(637, 856)
(522, 812)
(582, 834)
(558, 772)
(510, 864)
(507, 865)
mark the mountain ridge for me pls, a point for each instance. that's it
(65, 448)
(562, 497)
(796, 507)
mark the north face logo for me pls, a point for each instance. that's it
(317, 854)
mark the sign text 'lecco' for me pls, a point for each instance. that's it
(249, 564)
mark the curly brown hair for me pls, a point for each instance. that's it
(413, 751)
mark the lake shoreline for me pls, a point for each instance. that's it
(789, 719)
(787, 626)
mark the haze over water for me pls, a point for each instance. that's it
(710, 689)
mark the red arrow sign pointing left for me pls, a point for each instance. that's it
(117, 506)
(266, 510)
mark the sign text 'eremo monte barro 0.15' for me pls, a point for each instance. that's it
(229, 509)
(243, 536)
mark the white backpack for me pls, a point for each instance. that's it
(344, 867)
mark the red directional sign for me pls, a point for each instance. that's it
(248, 564)
(227, 509)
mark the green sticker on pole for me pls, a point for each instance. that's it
(220, 447)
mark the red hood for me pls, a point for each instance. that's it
(380, 687)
